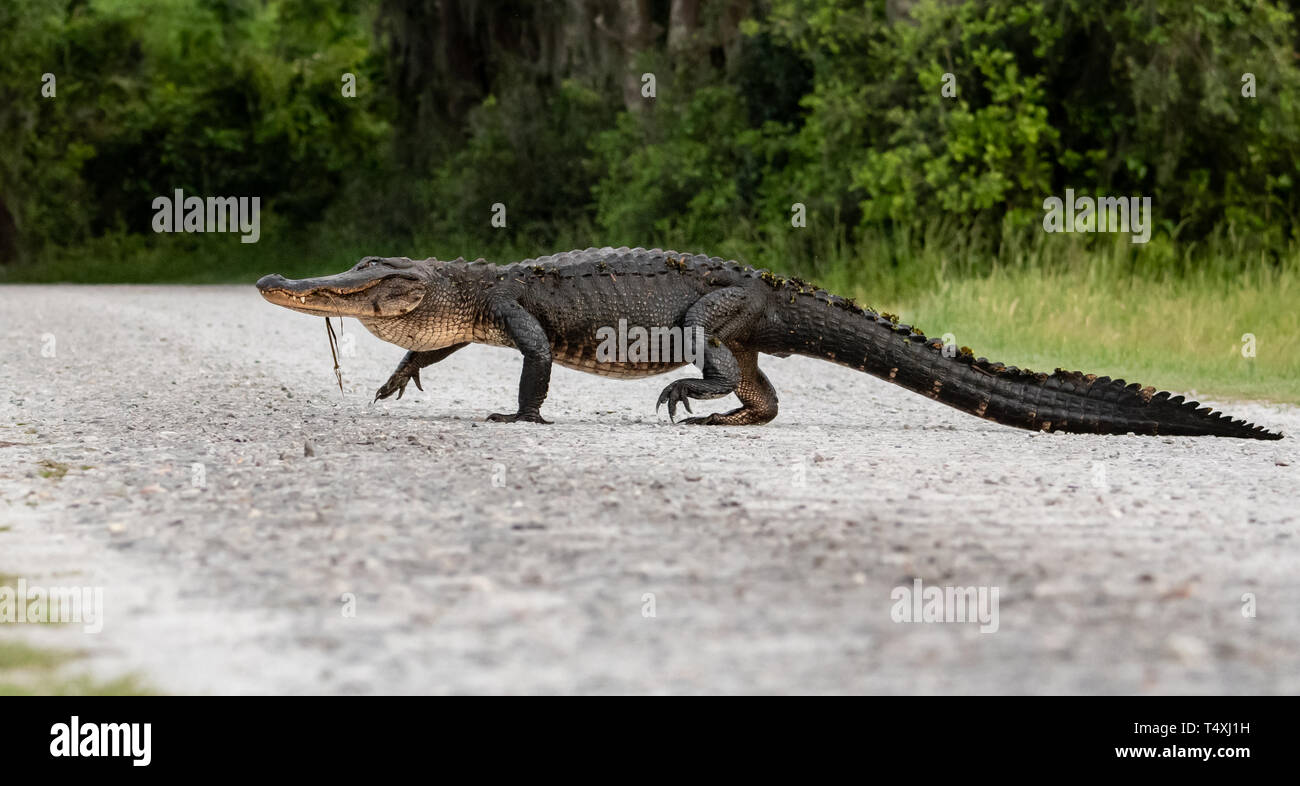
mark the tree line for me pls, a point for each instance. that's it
(643, 121)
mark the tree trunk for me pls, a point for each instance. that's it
(729, 31)
(636, 36)
(8, 235)
(683, 21)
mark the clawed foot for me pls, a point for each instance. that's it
(517, 417)
(675, 393)
(397, 383)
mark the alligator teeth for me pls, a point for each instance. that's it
(302, 300)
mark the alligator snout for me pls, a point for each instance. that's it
(272, 281)
(372, 292)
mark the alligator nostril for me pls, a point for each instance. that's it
(271, 281)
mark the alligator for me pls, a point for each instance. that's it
(553, 308)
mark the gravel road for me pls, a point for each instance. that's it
(188, 450)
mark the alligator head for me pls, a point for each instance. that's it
(375, 287)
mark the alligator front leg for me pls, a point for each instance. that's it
(409, 370)
(528, 336)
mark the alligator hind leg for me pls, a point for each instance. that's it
(757, 398)
(721, 376)
(719, 313)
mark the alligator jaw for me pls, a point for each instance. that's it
(376, 292)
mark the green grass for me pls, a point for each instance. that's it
(1178, 335)
(1170, 314)
(33, 671)
(16, 656)
(54, 470)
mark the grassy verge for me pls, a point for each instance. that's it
(1220, 321)
(1178, 335)
(1167, 314)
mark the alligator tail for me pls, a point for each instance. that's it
(833, 328)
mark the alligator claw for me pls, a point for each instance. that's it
(660, 404)
(387, 389)
(674, 394)
(397, 384)
(415, 377)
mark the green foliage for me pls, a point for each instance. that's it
(34, 160)
(1157, 108)
(215, 98)
(1142, 99)
(836, 105)
(677, 170)
(527, 150)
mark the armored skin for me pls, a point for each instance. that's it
(553, 310)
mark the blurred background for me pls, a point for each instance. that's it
(698, 125)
